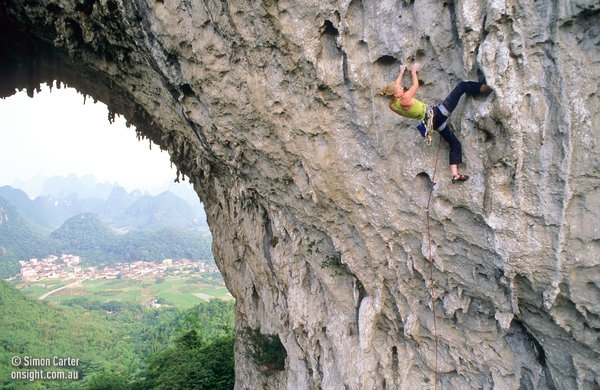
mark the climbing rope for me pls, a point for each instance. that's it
(431, 281)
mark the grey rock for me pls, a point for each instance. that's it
(271, 109)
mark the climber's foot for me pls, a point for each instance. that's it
(485, 89)
(459, 178)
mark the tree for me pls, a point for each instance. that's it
(188, 365)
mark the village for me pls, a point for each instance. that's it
(70, 267)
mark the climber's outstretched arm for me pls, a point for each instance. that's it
(398, 81)
(415, 81)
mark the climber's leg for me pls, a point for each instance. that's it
(455, 146)
(455, 153)
(469, 87)
(439, 119)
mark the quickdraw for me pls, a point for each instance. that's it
(429, 126)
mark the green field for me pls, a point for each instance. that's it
(182, 291)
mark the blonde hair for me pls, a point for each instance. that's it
(388, 91)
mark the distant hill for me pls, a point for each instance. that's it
(119, 227)
(17, 240)
(115, 206)
(83, 187)
(87, 236)
(155, 212)
(84, 232)
(27, 209)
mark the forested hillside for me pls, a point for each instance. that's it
(17, 240)
(124, 227)
(135, 348)
(87, 236)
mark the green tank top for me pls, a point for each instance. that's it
(417, 111)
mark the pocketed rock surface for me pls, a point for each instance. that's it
(316, 193)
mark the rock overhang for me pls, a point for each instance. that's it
(271, 110)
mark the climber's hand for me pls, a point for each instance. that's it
(415, 67)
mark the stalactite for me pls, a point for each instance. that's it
(111, 117)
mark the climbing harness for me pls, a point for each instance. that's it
(431, 281)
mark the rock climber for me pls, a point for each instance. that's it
(404, 103)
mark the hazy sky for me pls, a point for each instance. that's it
(55, 133)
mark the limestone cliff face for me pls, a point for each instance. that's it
(316, 192)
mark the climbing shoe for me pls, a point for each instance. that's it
(459, 178)
(484, 90)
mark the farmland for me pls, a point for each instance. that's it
(183, 291)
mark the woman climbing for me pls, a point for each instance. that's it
(404, 103)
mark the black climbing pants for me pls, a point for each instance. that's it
(443, 111)
(455, 153)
